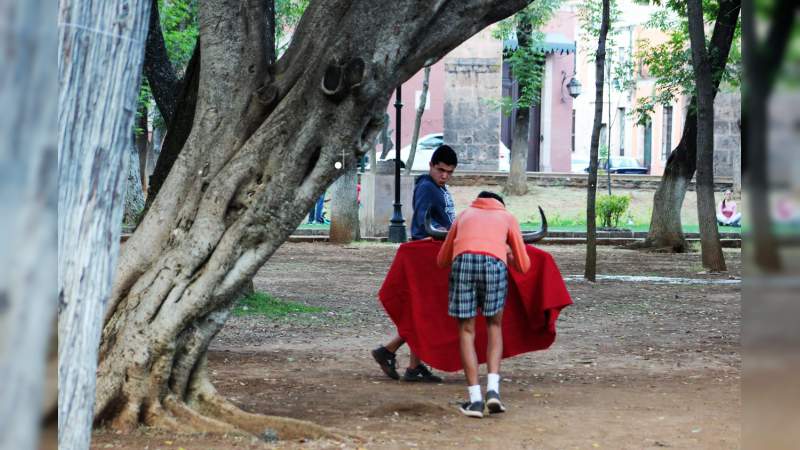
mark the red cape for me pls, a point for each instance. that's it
(414, 295)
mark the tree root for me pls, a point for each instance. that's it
(218, 407)
(194, 419)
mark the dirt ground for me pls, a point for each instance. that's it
(635, 365)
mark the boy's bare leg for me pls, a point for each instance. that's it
(469, 359)
(394, 344)
(413, 360)
(495, 345)
(494, 354)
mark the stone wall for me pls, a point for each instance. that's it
(471, 126)
(727, 137)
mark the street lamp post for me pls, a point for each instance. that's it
(397, 228)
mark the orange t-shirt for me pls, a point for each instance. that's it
(485, 227)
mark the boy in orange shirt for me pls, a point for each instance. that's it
(478, 246)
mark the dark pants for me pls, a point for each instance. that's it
(315, 214)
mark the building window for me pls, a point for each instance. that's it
(572, 142)
(621, 131)
(666, 135)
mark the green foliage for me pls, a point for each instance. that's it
(590, 14)
(670, 62)
(611, 208)
(262, 304)
(527, 61)
(287, 16)
(620, 67)
(179, 27)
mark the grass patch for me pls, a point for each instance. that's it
(262, 304)
(575, 225)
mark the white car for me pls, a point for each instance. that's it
(430, 142)
(579, 165)
(504, 158)
(425, 147)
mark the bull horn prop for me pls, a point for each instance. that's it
(536, 236)
(436, 233)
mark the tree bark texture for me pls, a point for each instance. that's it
(28, 196)
(101, 48)
(261, 151)
(344, 207)
(762, 63)
(666, 230)
(590, 271)
(711, 248)
(517, 182)
(418, 119)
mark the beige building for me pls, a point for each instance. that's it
(652, 143)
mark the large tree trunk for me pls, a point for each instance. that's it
(28, 196)
(262, 149)
(100, 59)
(762, 63)
(423, 98)
(711, 248)
(344, 207)
(666, 230)
(590, 271)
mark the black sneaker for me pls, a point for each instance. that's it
(421, 373)
(387, 362)
(472, 409)
(493, 403)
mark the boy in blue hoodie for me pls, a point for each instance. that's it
(430, 192)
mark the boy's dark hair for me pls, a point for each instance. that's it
(444, 154)
(489, 194)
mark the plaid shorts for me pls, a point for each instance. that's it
(477, 281)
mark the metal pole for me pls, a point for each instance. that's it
(608, 128)
(397, 228)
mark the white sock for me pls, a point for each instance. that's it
(475, 393)
(493, 382)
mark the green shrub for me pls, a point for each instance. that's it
(610, 209)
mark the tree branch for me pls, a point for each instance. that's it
(161, 77)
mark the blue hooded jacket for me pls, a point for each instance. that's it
(428, 194)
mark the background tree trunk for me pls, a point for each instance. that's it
(517, 183)
(178, 128)
(590, 271)
(28, 196)
(666, 230)
(261, 151)
(143, 146)
(344, 207)
(99, 75)
(134, 195)
(418, 119)
(712, 256)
